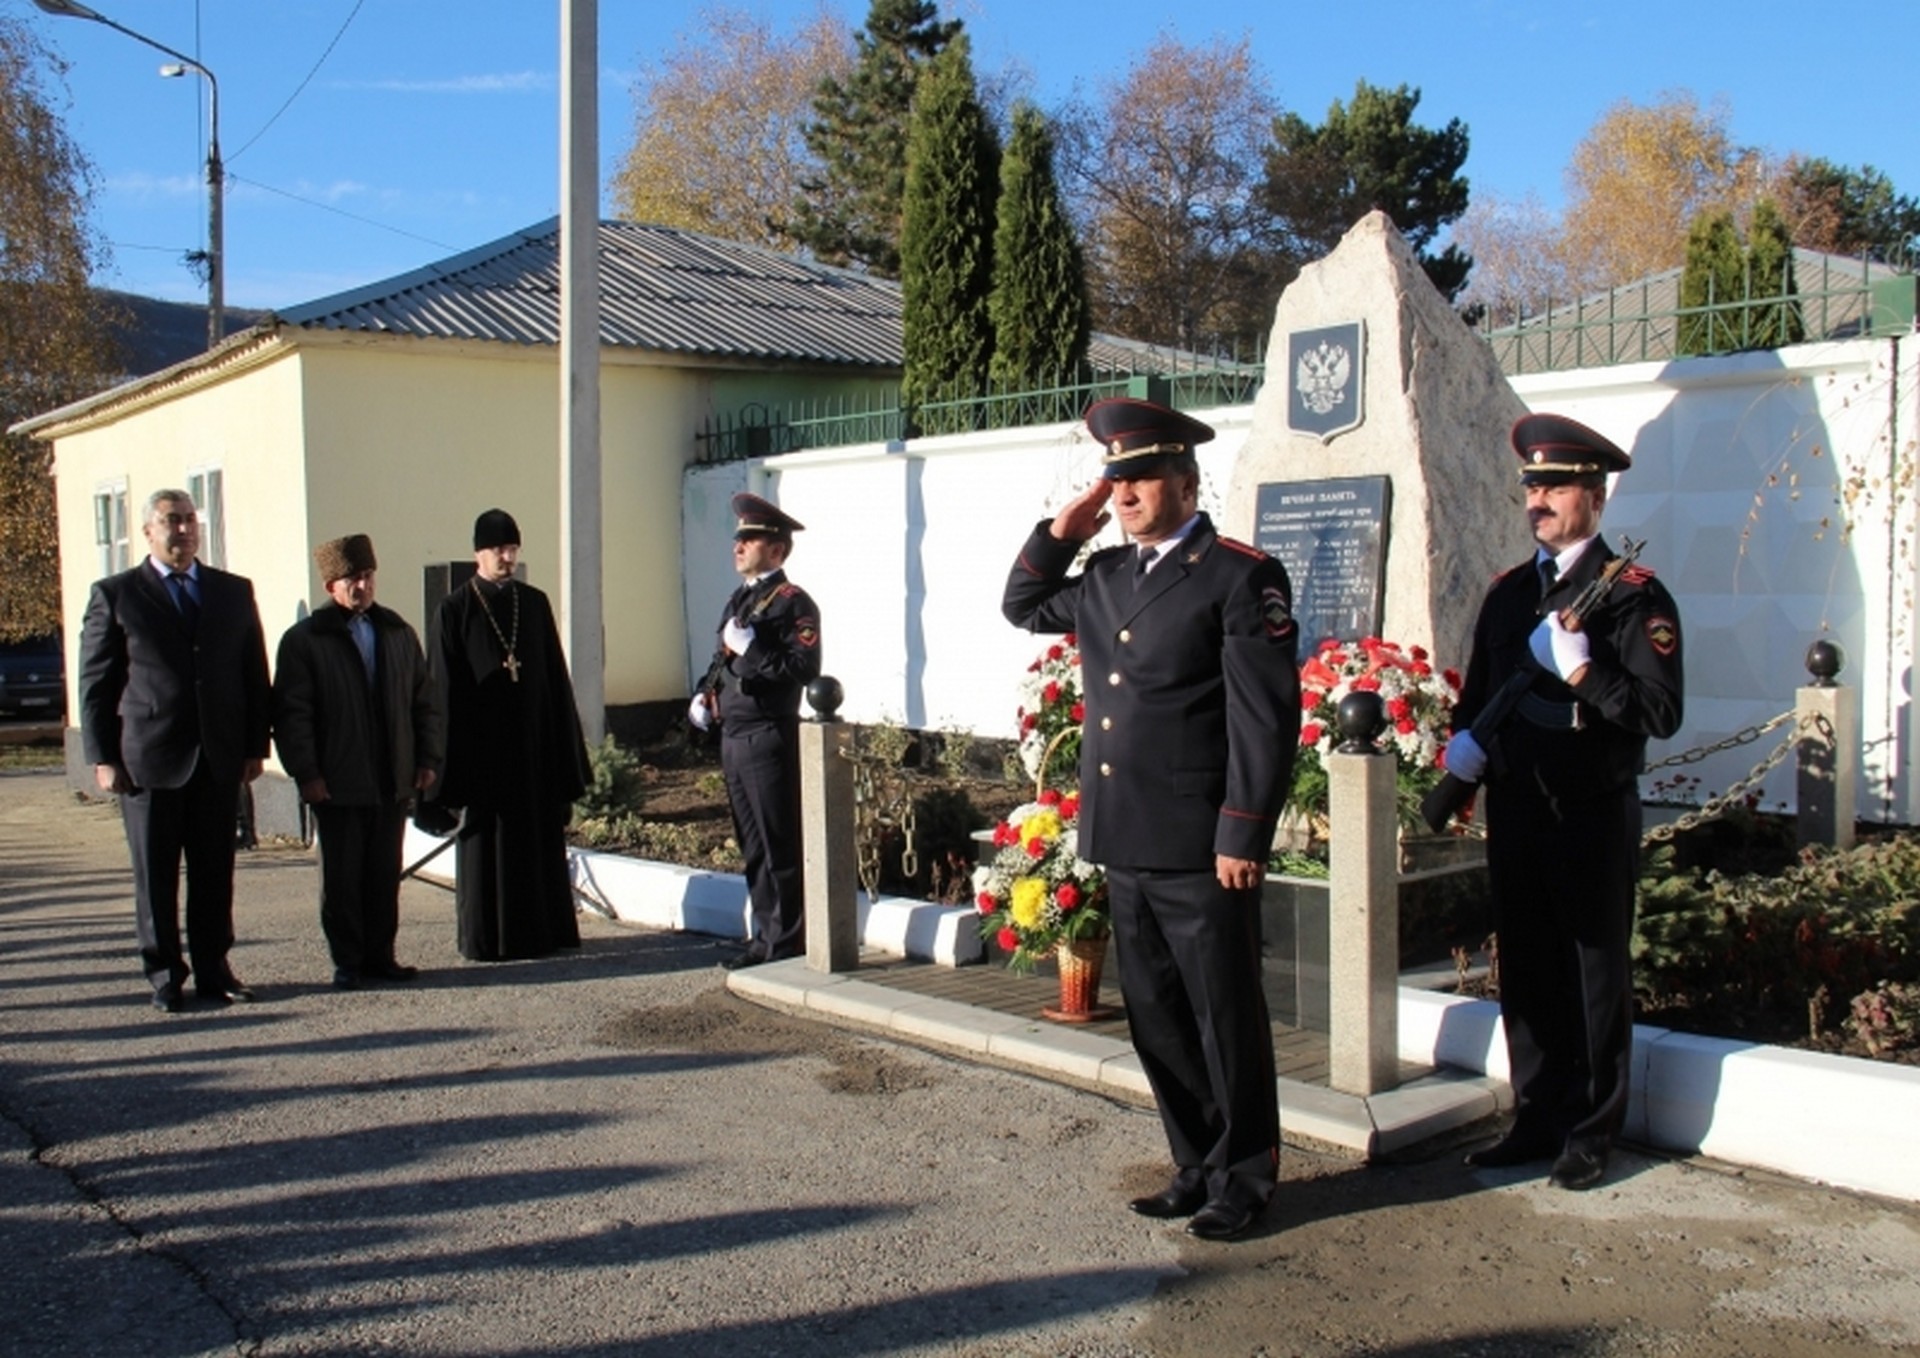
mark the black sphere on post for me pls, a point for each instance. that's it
(1359, 719)
(1825, 659)
(824, 696)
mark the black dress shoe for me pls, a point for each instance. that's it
(231, 992)
(1175, 1200)
(166, 998)
(1578, 1167)
(1222, 1221)
(392, 971)
(346, 978)
(749, 958)
(1515, 1148)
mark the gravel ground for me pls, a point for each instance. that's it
(605, 1153)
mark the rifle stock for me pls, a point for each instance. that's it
(1453, 794)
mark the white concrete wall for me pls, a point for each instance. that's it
(906, 552)
(1774, 490)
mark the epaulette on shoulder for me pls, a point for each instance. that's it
(1245, 549)
(1512, 571)
(786, 591)
(1636, 574)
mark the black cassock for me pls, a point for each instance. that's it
(516, 762)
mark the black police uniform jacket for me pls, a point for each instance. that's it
(1191, 688)
(1568, 742)
(762, 687)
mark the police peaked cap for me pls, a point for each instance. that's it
(762, 518)
(1554, 450)
(1140, 436)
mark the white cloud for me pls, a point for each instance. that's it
(147, 187)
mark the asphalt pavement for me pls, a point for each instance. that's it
(606, 1153)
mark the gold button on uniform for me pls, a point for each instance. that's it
(1126, 635)
(1114, 678)
(1106, 770)
(1106, 723)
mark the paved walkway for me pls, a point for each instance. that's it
(605, 1153)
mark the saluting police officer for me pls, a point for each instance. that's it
(1563, 800)
(766, 653)
(1187, 644)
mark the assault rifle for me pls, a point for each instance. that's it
(710, 681)
(1453, 794)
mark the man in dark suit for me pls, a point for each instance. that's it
(1563, 800)
(766, 651)
(1187, 647)
(173, 718)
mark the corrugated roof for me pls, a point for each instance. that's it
(661, 289)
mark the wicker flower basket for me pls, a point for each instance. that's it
(1080, 961)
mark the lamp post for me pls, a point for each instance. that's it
(216, 174)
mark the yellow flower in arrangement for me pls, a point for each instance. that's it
(1029, 903)
(1043, 825)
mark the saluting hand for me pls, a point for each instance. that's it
(1083, 515)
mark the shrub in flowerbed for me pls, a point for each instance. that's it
(1767, 956)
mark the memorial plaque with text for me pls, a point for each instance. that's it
(1332, 538)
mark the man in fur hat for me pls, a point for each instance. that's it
(359, 730)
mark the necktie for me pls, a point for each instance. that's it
(180, 585)
(361, 630)
(1549, 572)
(1141, 563)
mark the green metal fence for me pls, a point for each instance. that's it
(1646, 323)
(758, 431)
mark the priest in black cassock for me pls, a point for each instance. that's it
(516, 760)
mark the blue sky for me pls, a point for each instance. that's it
(432, 125)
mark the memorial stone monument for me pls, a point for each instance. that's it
(1377, 467)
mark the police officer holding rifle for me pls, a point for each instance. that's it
(1581, 648)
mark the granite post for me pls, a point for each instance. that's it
(826, 833)
(1363, 922)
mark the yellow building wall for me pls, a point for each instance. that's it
(409, 442)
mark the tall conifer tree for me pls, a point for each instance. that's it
(851, 214)
(946, 236)
(1714, 278)
(1038, 305)
(1776, 316)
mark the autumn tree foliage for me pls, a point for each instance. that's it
(1167, 168)
(1640, 177)
(849, 213)
(1369, 154)
(718, 142)
(54, 337)
(1518, 267)
(946, 237)
(1038, 305)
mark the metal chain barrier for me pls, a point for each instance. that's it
(880, 803)
(1737, 791)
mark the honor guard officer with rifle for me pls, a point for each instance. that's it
(766, 653)
(1563, 797)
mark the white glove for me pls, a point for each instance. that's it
(735, 637)
(1557, 649)
(699, 713)
(1465, 759)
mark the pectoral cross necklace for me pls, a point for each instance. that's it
(507, 643)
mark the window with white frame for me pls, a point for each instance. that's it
(110, 527)
(207, 488)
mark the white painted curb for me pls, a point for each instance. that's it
(1838, 1120)
(667, 896)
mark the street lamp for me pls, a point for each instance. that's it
(216, 175)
